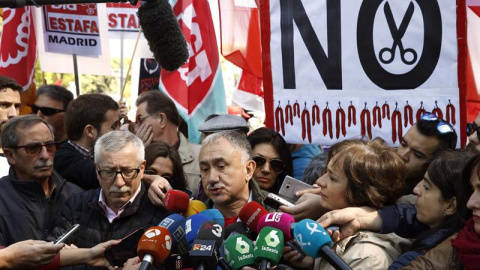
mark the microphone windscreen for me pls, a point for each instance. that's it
(195, 207)
(239, 228)
(175, 224)
(239, 252)
(192, 225)
(311, 236)
(215, 215)
(278, 220)
(269, 245)
(162, 31)
(251, 213)
(157, 242)
(176, 201)
(211, 230)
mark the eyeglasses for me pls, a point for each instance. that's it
(140, 119)
(36, 148)
(47, 111)
(276, 164)
(111, 175)
(442, 127)
(471, 128)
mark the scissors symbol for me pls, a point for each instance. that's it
(397, 35)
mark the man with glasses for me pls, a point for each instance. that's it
(87, 118)
(9, 107)
(157, 120)
(473, 134)
(32, 193)
(121, 204)
(226, 168)
(50, 104)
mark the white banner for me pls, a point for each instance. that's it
(366, 55)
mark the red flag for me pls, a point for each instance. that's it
(18, 49)
(240, 36)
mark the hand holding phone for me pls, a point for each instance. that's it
(117, 255)
(276, 201)
(290, 186)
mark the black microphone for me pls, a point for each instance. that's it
(165, 39)
(239, 228)
(22, 3)
(209, 231)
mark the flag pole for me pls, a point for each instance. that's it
(130, 65)
(75, 71)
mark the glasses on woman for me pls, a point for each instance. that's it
(275, 164)
(36, 148)
(471, 128)
(47, 111)
(127, 174)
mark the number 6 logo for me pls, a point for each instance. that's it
(272, 239)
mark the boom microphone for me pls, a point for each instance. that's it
(268, 247)
(161, 29)
(176, 201)
(154, 247)
(239, 252)
(251, 213)
(195, 207)
(175, 224)
(315, 241)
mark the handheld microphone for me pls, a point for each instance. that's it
(195, 207)
(165, 39)
(179, 262)
(238, 228)
(175, 224)
(214, 214)
(154, 247)
(212, 230)
(192, 225)
(318, 243)
(176, 201)
(251, 213)
(239, 252)
(268, 247)
(279, 220)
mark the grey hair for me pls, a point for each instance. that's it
(237, 139)
(9, 130)
(115, 141)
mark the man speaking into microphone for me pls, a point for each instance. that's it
(226, 169)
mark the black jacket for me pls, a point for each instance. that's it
(95, 228)
(25, 211)
(75, 167)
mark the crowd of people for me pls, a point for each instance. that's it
(71, 162)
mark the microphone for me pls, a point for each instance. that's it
(154, 247)
(209, 231)
(192, 225)
(238, 251)
(251, 213)
(22, 3)
(176, 201)
(179, 262)
(320, 242)
(214, 214)
(238, 228)
(212, 230)
(195, 207)
(268, 247)
(161, 29)
(175, 224)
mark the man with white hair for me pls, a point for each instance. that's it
(121, 204)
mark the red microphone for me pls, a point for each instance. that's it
(251, 213)
(176, 201)
(154, 247)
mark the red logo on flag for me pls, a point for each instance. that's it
(190, 84)
(18, 50)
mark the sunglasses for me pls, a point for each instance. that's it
(443, 127)
(47, 111)
(472, 128)
(275, 164)
(36, 148)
